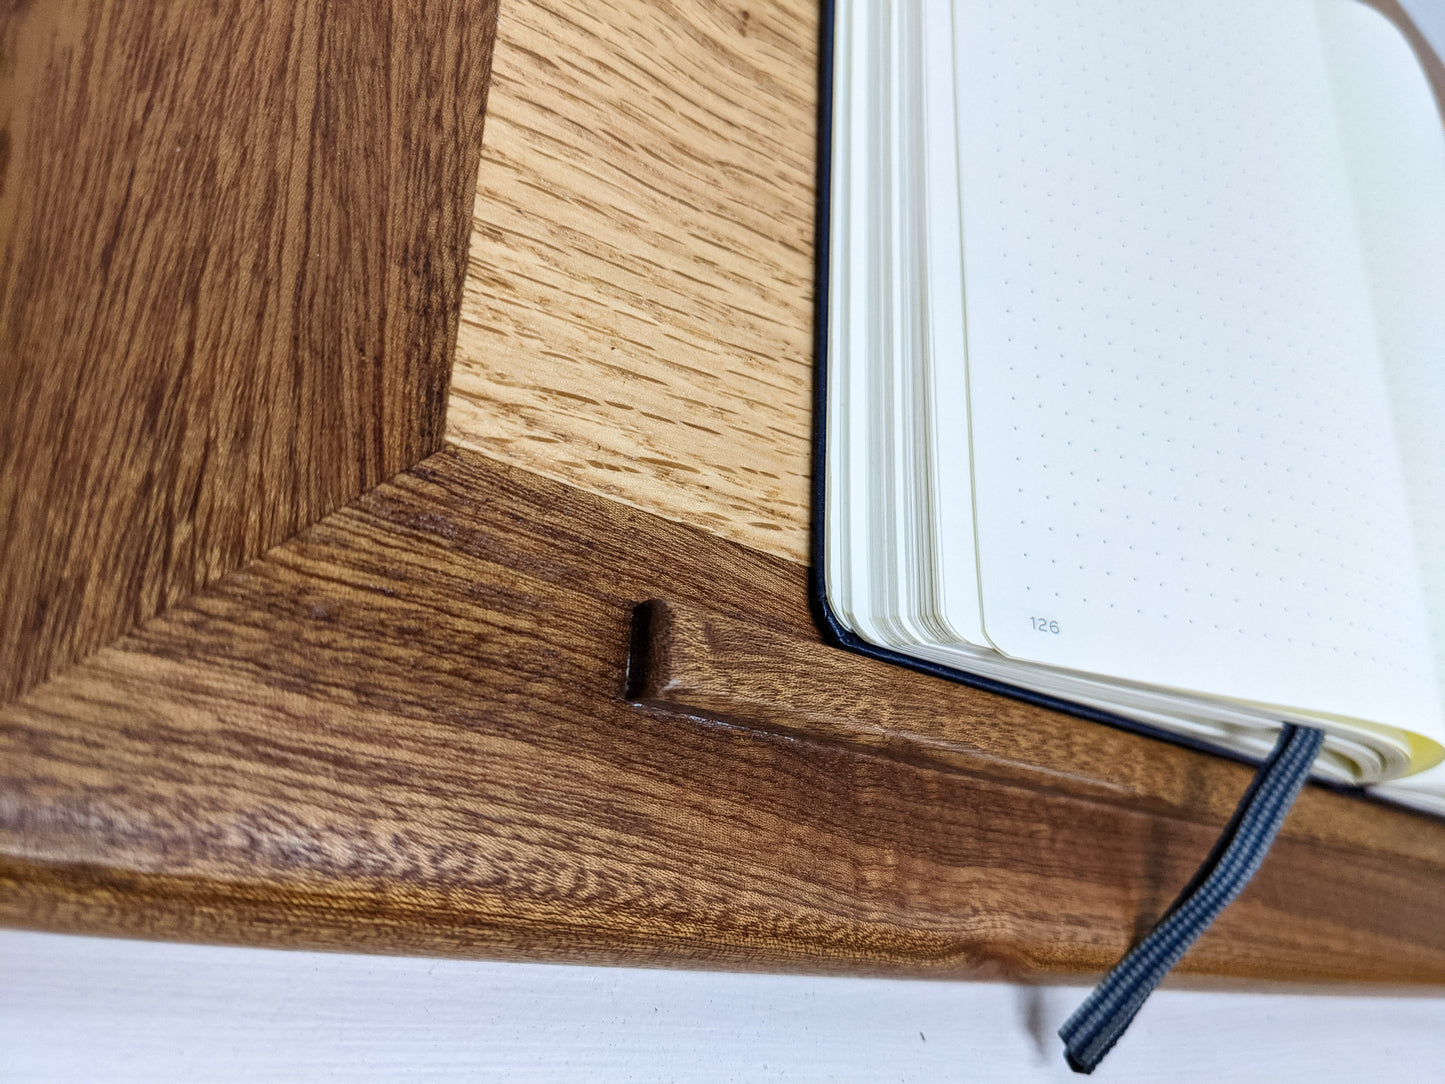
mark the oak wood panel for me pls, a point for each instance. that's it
(406, 730)
(638, 309)
(232, 241)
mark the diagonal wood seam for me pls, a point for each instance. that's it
(1175, 783)
(184, 600)
(266, 241)
(409, 399)
(414, 715)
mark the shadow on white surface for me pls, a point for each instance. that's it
(87, 1009)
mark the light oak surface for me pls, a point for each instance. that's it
(637, 317)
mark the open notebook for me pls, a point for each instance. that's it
(1135, 365)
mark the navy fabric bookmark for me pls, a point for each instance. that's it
(1097, 1024)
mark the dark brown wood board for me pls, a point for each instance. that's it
(408, 730)
(232, 244)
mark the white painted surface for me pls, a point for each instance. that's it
(90, 1009)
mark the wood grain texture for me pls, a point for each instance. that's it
(638, 309)
(232, 242)
(686, 659)
(639, 304)
(406, 730)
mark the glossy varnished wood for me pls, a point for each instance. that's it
(688, 659)
(638, 312)
(408, 730)
(232, 240)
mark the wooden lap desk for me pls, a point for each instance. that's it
(303, 645)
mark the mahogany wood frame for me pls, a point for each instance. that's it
(429, 716)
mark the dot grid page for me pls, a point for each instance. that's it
(1184, 464)
(1395, 137)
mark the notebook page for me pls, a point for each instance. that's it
(850, 327)
(896, 299)
(950, 478)
(1184, 464)
(880, 387)
(898, 569)
(1394, 137)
